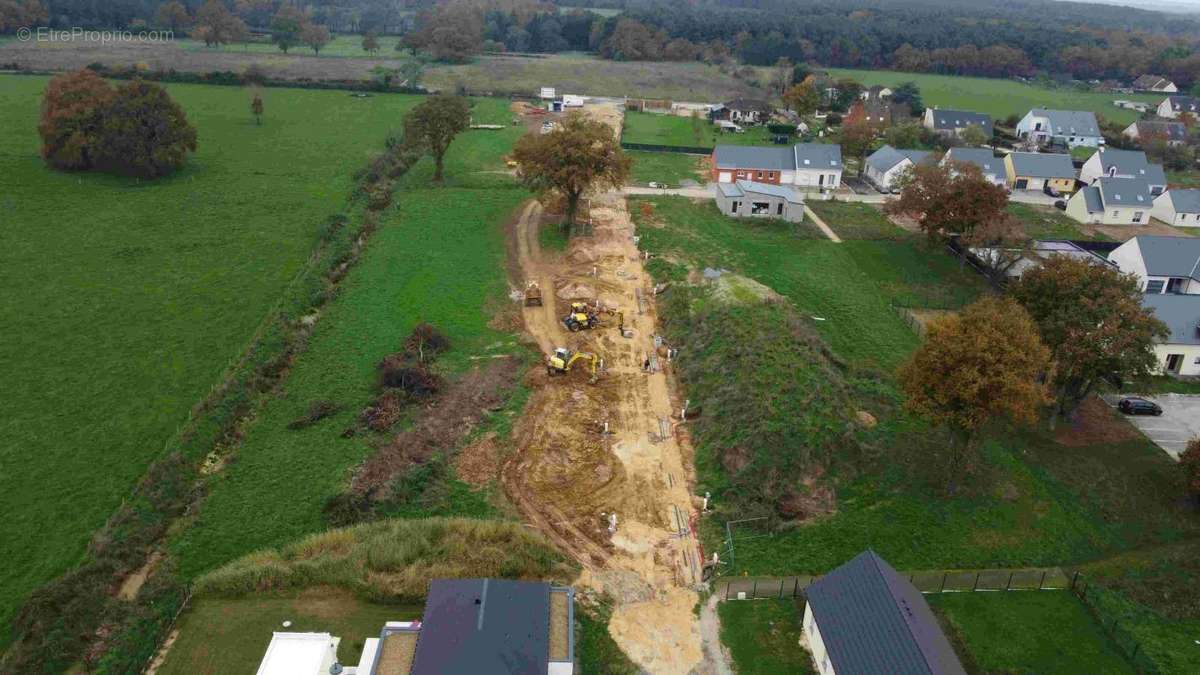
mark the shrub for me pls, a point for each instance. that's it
(1189, 463)
(401, 371)
(425, 339)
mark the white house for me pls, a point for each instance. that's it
(1172, 107)
(1154, 83)
(1112, 201)
(1113, 163)
(886, 164)
(817, 165)
(991, 167)
(1143, 131)
(954, 122)
(1178, 207)
(1073, 128)
(863, 617)
(299, 654)
(1161, 264)
(809, 166)
(1179, 354)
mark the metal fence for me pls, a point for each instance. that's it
(653, 147)
(1117, 633)
(928, 581)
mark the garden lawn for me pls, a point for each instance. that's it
(219, 636)
(1043, 632)
(696, 132)
(437, 257)
(125, 300)
(997, 97)
(1044, 222)
(856, 220)
(665, 167)
(763, 636)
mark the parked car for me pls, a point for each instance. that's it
(1133, 405)
(655, 184)
(1061, 205)
(1051, 191)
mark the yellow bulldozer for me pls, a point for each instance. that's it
(563, 360)
(581, 317)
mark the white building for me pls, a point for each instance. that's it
(1179, 354)
(1073, 128)
(1112, 201)
(1172, 107)
(299, 654)
(989, 165)
(809, 166)
(747, 199)
(1161, 264)
(1143, 131)
(1178, 207)
(1114, 163)
(1154, 83)
(886, 164)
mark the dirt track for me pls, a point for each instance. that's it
(567, 475)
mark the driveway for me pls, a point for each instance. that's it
(1171, 431)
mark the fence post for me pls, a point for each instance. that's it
(976, 586)
(943, 588)
(754, 590)
(1042, 583)
(1008, 586)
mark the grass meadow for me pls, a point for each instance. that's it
(126, 300)
(997, 97)
(666, 167)
(438, 257)
(763, 636)
(697, 132)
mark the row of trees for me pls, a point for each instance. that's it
(16, 14)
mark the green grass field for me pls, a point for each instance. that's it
(1044, 222)
(1045, 632)
(698, 132)
(762, 636)
(999, 98)
(665, 167)
(438, 257)
(339, 46)
(126, 300)
(856, 220)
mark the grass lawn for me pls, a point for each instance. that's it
(231, 636)
(126, 300)
(666, 167)
(762, 636)
(999, 98)
(1042, 632)
(698, 132)
(856, 220)
(437, 257)
(1183, 179)
(1044, 222)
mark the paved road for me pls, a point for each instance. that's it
(1171, 431)
(706, 192)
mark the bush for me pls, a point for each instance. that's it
(1189, 463)
(401, 371)
(425, 339)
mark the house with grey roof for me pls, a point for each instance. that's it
(1172, 107)
(1161, 264)
(1012, 263)
(954, 122)
(989, 165)
(1037, 171)
(808, 166)
(863, 617)
(1179, 353)
(743, 111)
(1072, 128)
(1114, 163)
(1146, 131)
(886, 164)
(1112, 201)
(747, 199)
(1154, 83)
(1178, 207)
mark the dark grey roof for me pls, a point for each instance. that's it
(1043, 165)
(1170, 256)
(817, 156)
(1125, 192)
(1092, 199)
(1180, 312)
(484, 626)
(1184, 201)
(786, 192)
(1150, 82)
(960, 119)
(874, 621)
(1184, 104)
(753, 157)
(1131, 163)
(1173, 131)
(980, 157)
(748, 104)
(1070, 122)
(887, 157)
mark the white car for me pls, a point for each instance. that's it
(653, 184)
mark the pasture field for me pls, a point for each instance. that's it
(438, 257)
(857, 220)
(342, 46)
(126, 300)
(997, 97)
(1027, 631)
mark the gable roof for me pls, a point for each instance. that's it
(1131, 163)
(817, 156)
(1092, 199)
(484, 626)
(1150, 82)
(980, 157)
(1170, 256)
(1125, 192)
(1069, 122)
(1173, 131)
(874, 621)
(1184, 201)
(885, 158)
(770, 158)
(1180, 312)
(748, 104)
(948, 120)
(786, 192)
(1183, 104)
(1042, 165)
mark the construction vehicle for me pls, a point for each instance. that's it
(581, 317)
(533, 295)
(563, 359)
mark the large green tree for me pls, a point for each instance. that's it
(144, 133)
(579, 155)
(215, 25)
(434, 123)
(287, 26)
(1091, 317)
(72, 109)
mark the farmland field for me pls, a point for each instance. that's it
(339, 46)
(126, 300)
(1000, 98)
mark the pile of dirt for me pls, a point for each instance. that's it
(478, 464)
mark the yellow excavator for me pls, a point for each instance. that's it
(581, 317)
(563, 359)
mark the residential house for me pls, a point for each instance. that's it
(1161, 264)
(989, 165)
(805, 165)
(863, 617)
(1154, 83)
(1174, 106)
(954, 122)
(886, 164)
(1113, 163)
(879, 111)
(1112, 201)
(1072, 128)
(1178, 207)
(1035, 171)
(743, 111)
(876, 91)
(1144, 131)
(1179, 353)
(747, 199)
(1033, 256)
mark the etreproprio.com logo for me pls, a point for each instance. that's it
(103, 37)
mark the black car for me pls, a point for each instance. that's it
(1060, 205)
(1051, 191)
(1132, 405)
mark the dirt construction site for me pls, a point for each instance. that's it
(604, 469)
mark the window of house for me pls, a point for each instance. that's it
(779, 209)
(734, 208)
(760, 175)
(1175, 285)
(1137, 216)
(1154, 286)
(758, 208)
